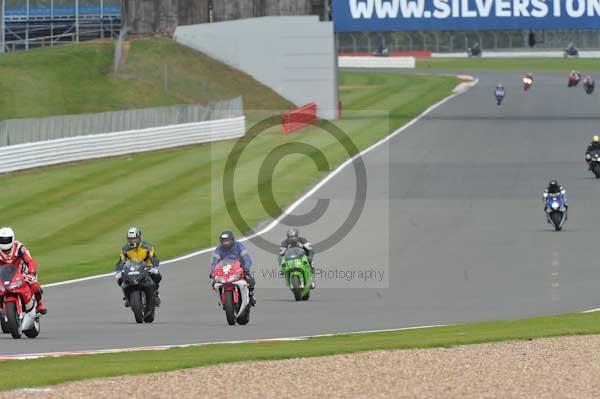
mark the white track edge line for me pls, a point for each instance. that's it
(298, 202)
(166, 347)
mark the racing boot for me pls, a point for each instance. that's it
(125, 302)
(41, 306)
(252, 298)
(156, 299)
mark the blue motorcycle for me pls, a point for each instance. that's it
(556, 212)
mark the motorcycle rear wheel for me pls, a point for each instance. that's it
(3, 324)
(135, 301)
(33, 332)
(14, 324)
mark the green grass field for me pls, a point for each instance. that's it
(57, 370)
(76, 79)
(511, 64)
(73, 218)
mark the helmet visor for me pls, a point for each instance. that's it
(133, 241)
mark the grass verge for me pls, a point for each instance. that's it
(50, 371)
(73, 218)
(511, 64)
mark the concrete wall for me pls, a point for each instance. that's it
(295, 56)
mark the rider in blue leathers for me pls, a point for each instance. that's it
(229, 247)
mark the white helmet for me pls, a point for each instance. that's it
(7, 237)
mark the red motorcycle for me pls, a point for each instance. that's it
(527, 83)
(574, 79)
(232, 288)
(18, 304)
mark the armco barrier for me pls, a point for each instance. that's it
(299, 118)
(43, 153)
(376, 62)
(518, 54)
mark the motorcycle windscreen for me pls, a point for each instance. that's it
(7, 272)
(294, 253)
(134, 266)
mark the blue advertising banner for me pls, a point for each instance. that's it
(391, 15)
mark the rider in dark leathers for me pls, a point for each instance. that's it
(554, 188)
(593, 146)
(293, 239)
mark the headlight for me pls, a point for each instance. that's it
(555, 205)
(16, 284)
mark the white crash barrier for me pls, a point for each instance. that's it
(518, 54)
(78, 148)
(376, 62)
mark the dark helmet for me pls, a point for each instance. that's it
(226, 238)
(553, 184)
(293, 234)
(134, 237)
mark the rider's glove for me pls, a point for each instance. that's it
(30, 278)
(117, 275)
(154, 270)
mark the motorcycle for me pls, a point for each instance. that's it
(571, 51)
(593, 159)
(556, 212)
(18, 303)
(139, 288)
(574, 80)
(232, 288)
(297, 272)
(527, 83)
(589, 87)
(499, 96)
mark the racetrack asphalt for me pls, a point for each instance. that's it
(453, 219)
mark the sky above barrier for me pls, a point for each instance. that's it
(391, 15)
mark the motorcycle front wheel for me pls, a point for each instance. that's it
(556, 218)
(135, 301)
(229, 308)
(14, 324)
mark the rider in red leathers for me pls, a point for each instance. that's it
(14, 252)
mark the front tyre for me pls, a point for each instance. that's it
(556, 218)
(13, 323)
(596, 170)
(135, 301)
(295, 283)
(229, 308)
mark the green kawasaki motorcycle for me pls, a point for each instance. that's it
(297, 272)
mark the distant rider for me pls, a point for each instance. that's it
(593, 146)
(139, 251)
(528, 78)
(588, 82)
(553, 189)
(574, 75)
(499, 90)
(293, 239)
(230, 247)
(13, 252)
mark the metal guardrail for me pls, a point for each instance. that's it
(79, 148)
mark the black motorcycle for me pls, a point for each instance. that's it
(589, 87)
(139, 289)
(593, 159)
(571, 51)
